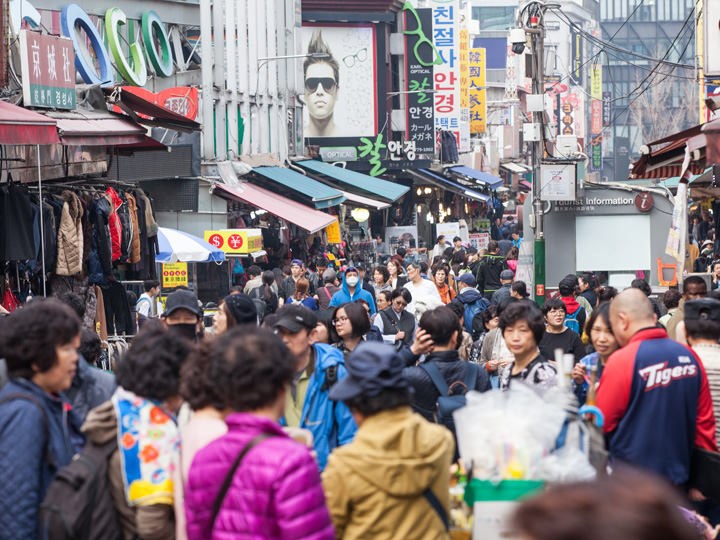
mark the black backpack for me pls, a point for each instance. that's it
(78, 504)
(448, 401)
(257, 295)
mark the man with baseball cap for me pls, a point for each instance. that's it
(183, 314)
(506, 279)
(287, 287)
(474, 304)
(391, 481)
(319, 368)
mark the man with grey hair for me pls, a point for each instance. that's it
(654, 394)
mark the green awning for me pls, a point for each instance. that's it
(376, 186)
(321, 195)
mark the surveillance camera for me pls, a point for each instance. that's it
(517, 38)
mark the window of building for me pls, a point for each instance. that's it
(494, 18)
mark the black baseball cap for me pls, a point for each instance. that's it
(372, 367)
(182, 299)
(294, 318)
(702, 309)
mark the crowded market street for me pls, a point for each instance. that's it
(372, 269)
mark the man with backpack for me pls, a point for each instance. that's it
(474, 304)
(325, 293)
(319, 367)
(574, 313)
(489, 269)
(442, 380)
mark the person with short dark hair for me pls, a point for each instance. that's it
(702, 327)
(440, 277)
(653, 377)
(183, 314)
(522, 327)
(457, 243)
(39, 343)
(147, 304)
(605, 294)
(234, 310)
(395, 323)
(381, 276)
(518, 290)
(488, 270)
(143, 409)
(351, 323)
(490, 320)
(307, 405)
(287, 287)
(466, 340)
(587, 283)
(383, 300)
(444, 328)
(715, 270)
(575, 314)
(603, 341)
(254, 274)
(375, 486)
(276, 484)
(440, 247)
(671, 301)
(557, 335)
(694, 287)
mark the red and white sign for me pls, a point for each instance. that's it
(644, 202)
(48, 70)
(216, 240)
(180, 99)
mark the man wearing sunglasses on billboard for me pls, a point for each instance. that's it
(321, 86)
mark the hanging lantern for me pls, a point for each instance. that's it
(360, 215)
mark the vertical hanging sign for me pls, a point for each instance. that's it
(464, 91)
(420, 58)
(446, 38)
(48, 71)
(576, 74)
(478, 101)
(596, 117)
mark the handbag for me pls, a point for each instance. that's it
(705, 472)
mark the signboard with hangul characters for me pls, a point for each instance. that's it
(48, 70)
(446, 38)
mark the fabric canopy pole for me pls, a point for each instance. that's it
(42, 225)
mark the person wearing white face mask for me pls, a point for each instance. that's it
(351, 291)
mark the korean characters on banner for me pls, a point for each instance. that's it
(48, 70)
(572, 110)
(478, 100)
(464, 92)
(446, 37)
(596, 117)
(420, 58)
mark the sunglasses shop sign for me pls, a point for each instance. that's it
(153, 44)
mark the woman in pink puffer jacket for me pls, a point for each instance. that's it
(276, 492)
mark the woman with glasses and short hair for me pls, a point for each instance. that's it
(395, 322)
(350, 323)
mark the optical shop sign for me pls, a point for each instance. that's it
(153, 44)
(48, 71)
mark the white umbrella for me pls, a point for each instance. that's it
(178, 246)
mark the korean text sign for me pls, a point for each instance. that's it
(446, 38)
(174, 275)
(420, 58)
(48, 71)
(478, 100)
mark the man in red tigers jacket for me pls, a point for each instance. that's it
(654, 394)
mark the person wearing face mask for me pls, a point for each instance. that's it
(183, 316)
(352, 290)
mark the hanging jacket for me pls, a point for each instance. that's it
(134, 257)
(100, 264)
(16, 226)
(330, 422)
(275, 492)
(70, 236)
(374, 485)
(126, 228)
(114, 222)
(24, 469)
(85, 201)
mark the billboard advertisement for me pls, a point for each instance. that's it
(446, 38)
(340, 90)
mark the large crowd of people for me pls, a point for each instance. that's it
(316, 405)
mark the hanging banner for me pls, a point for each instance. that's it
(478, 100)
(596, 118)
(606, 109)
(333, 233)
(576, 75)
(48, 71)
(464, 92)
(572, 107)
(479, 240)
(446, 38)
(174, 275)
(420, 59)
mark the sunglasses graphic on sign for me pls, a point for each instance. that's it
(328, 83)
(360, 56)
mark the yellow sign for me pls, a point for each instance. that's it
(333, 233)
(478, 99)
(464, 70)
(235, 241)
(596, 81)
(174, 275)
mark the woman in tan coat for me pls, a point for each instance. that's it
(392, 481)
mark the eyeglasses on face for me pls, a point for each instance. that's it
(328, 83)
(340, 320)
(400, 303)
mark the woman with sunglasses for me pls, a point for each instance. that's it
(322, 76)
(351, 324)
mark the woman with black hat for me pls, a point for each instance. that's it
(234, 310)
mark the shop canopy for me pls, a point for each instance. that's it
(97, 128)
(321, 195)
(364, 182)
(22, 126)
(146, 112)
(177, 246)
(493, 182)
(664, 158)
(517, 168)
(282, 207)
(359, 200)
(444, 183)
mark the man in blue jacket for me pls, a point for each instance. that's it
(352, 290)
(319, 367)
